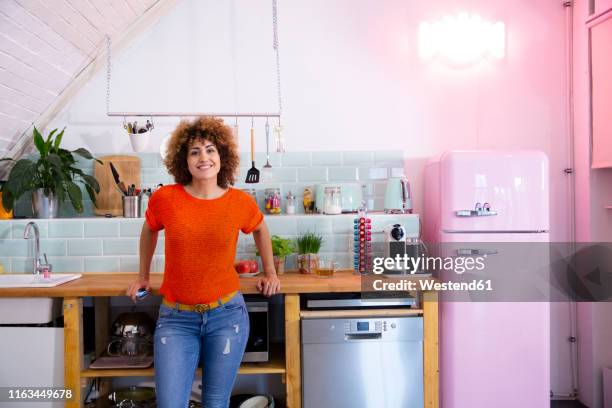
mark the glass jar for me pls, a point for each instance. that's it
(272, 201)
(290, 203)
(333, 201)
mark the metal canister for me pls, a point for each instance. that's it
(131, 206)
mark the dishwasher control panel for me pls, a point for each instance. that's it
(365, 326)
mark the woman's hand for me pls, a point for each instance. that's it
(269, 285)
(137, 284)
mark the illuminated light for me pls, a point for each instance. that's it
(462, 39)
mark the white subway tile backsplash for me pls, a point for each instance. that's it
(373, 173)
(110, 245)
(120, 246)
(53, 247)
(130, 227)
(320, 224)
(282, 225)
(389, 157)
(296, 159)
(102, 228)
(19, 227)
(129, 264)
(342, 174)
(85, 246)
(102, 264)
(5, 230)
(21, 265)
(312, 174)
(326, 158)
(357, 158)
(398, 172)
(67, 264)
(66, 229)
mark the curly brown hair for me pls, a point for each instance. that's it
(204, 127)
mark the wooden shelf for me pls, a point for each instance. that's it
(320, 314)
(276, 365)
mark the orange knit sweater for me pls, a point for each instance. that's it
(200, 241)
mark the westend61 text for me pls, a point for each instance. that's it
(431, 284)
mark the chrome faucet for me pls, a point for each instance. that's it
(37, 266)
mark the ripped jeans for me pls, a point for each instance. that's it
(216, 339)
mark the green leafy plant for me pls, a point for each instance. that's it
(54, 171)
(309, 243)
(280, 246)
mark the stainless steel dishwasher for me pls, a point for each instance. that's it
(371, 362)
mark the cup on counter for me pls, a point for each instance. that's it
(326, 268)
(131, 206)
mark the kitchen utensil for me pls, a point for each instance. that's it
(280, 140)
(398, 199)
(258, 401)
(108, 200)
(267, 168)
(119, 183)
(253, 174)
(133, 397)
(131, 346)
(137, 323)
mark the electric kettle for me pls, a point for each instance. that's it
(398, 199)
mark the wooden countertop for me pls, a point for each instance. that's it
(116, 283)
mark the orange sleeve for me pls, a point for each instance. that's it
(152, 215)
(252, 217)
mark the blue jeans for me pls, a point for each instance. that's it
(216, 339)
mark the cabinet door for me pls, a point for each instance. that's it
(602, 5)
(601, 83)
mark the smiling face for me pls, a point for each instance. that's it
(203, 160)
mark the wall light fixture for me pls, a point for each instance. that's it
(462, 39)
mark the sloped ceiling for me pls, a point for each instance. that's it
(45, 45)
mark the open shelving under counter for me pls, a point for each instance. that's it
(276, 365)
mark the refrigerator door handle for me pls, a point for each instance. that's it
(475, 213)
(475, 251)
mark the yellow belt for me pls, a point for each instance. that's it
(201, 307)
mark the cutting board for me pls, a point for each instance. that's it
(109, 199)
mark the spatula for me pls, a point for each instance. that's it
(253, 174)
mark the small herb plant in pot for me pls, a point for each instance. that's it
(51, 178)
(308, 246)
(281, 247)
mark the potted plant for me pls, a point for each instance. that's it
(281, 247)
(308, 246)
(51, 178)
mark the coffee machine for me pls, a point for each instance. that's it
(399, 242)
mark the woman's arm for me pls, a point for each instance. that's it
(148, 242)
(269, 284)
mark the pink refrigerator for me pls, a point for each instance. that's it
(492, 354)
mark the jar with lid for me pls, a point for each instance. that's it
(290, 203)
(333, 200)
(272, 200)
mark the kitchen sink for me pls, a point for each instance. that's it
(35, 310)
(23, 280)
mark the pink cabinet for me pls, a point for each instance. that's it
(601, 95)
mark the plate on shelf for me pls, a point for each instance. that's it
(249, 275)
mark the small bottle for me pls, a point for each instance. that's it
(290, 205)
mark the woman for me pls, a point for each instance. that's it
(203, 317)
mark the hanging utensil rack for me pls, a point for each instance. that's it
(188, 114)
